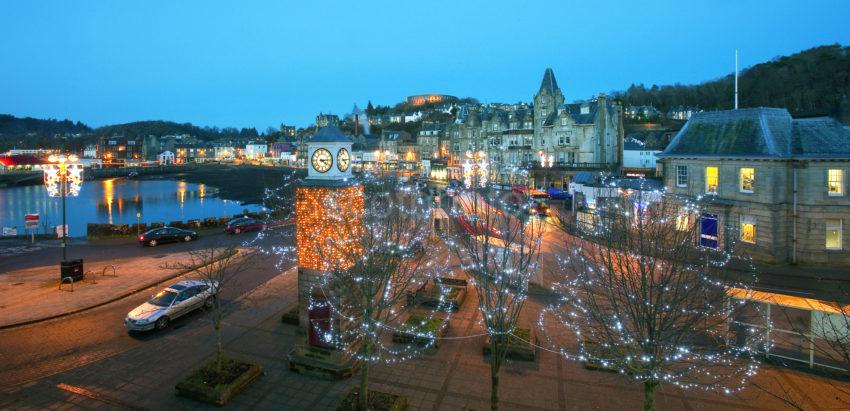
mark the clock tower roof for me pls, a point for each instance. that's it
(330, 134)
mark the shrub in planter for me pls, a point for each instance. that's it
(596, 351)
(452, 298)
(138, 228)
(207, 385)
(193, 223)
(520, 346)
(378, 401)
(210, 222)
(176, 224)
(416, 329)
(223, 220)
(157, 225)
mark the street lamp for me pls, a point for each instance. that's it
(475, 169)
(63, 179)
(138, 223)
(545, 162)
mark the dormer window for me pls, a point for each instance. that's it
(585, 109)
(563, 121)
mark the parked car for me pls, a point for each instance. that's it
(174, 301)
(242, 224)
(558, 194)
(163, 235)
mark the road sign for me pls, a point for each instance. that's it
(60, 230)
(31, 220)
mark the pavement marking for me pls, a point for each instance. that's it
(98, 396)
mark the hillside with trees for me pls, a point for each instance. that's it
(813, 82)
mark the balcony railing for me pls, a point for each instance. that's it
(565, 165)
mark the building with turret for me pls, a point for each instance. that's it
(544, 144)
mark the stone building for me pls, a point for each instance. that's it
(570, 137)
(774, 185)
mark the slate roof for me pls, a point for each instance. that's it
(549, 84)
(759, 133)
(330, 134)
(630, 143)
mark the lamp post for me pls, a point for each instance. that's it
(63, 179)
(138, 223)
(545, 162)
(475, 169)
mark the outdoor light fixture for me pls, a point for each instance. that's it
(63, 179)
(475, 169)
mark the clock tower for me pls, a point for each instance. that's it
(328, 204)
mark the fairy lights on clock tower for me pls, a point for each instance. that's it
(327, 205)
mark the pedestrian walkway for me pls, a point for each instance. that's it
(455, 377)
(34, 294)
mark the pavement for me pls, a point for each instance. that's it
(454, 377)
(34, 294)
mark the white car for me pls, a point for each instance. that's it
(172, 302)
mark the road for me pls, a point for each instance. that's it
(34, 351)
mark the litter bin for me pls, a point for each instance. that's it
(73, 269)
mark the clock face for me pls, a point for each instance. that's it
(322, 160)
(343, 160)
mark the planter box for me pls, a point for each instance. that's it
(195, 387)
(378, 401)
(594, 350)
(518, 350)
(455, 294)
(437, 326)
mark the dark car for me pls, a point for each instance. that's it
(239, 225)
(558, 194)
(163, 235)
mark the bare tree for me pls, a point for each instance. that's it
(499, 251)
(373, 267)
(219, 267)
(645, 300)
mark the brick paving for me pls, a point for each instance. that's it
(455, 377)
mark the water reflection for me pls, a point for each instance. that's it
(116, 201)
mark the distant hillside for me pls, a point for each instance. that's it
(162, 128)
(814, 82)
(14, 126)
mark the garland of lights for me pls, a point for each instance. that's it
(636, 263)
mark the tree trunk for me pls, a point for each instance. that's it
(495, 362)
(649, 395)
(218, 346)
(363, 397)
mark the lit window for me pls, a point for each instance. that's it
(835, 182)
(682, 176)
(682, 221)
(748, 179)
(711, 180)
(833, 234)
(748, 229)
(563, 121)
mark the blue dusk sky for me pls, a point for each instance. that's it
(261, 63)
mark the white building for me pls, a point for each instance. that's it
(224, 152)
(256, 150)
(90, 151)
(637, 158)
(166, 158)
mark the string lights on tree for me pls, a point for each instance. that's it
(499, 252)
(378, 254)
(642, 298)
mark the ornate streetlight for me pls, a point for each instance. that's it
(63, 179)
(545, 162)
(475, 169)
